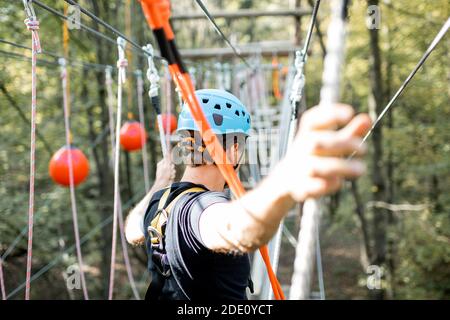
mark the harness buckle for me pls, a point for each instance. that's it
(155, 229)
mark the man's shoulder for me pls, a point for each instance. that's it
(200, 201)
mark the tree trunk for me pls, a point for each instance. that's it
(391, 250)
(298, 25)
(378, 183)
(359, 208)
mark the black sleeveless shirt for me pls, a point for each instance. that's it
(197, 272)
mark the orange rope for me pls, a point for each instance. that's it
(276, 79)
(216, 151)
(66, 38)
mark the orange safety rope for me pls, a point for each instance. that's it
(276, 78)
(157, 13)
(66, 38)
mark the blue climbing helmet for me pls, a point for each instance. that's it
(224, 112)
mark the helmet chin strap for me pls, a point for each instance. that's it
(236, 166)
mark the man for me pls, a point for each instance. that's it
(197, 238)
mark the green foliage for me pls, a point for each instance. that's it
(418, 140)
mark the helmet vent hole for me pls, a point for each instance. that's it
(218, 119)
(228, 105)
(248, 120)
(217, 106)
(236, 113)
(205, 100)
(243, 113)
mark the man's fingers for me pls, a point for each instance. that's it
(335, 145)
(358, 127)
(325, 117)
(336, 167)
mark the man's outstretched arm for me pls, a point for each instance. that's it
(314, 165)
(165, 173)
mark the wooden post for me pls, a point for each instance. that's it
(242, 13)
(298, 24)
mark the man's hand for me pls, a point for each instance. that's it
(165, 172)
(134, 230)
(316, 162)
(314, 165)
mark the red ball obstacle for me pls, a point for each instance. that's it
(59, 166)
(132, 136)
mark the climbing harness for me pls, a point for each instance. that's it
(157, 240)
(312, 211)
(33, 25)
(157, 13)
(153, 93)
(157, 227)
(121, 78)
(73, 202)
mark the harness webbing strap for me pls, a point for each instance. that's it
(172, 203)
(163, 207)
(159, 279)
(163, 199)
